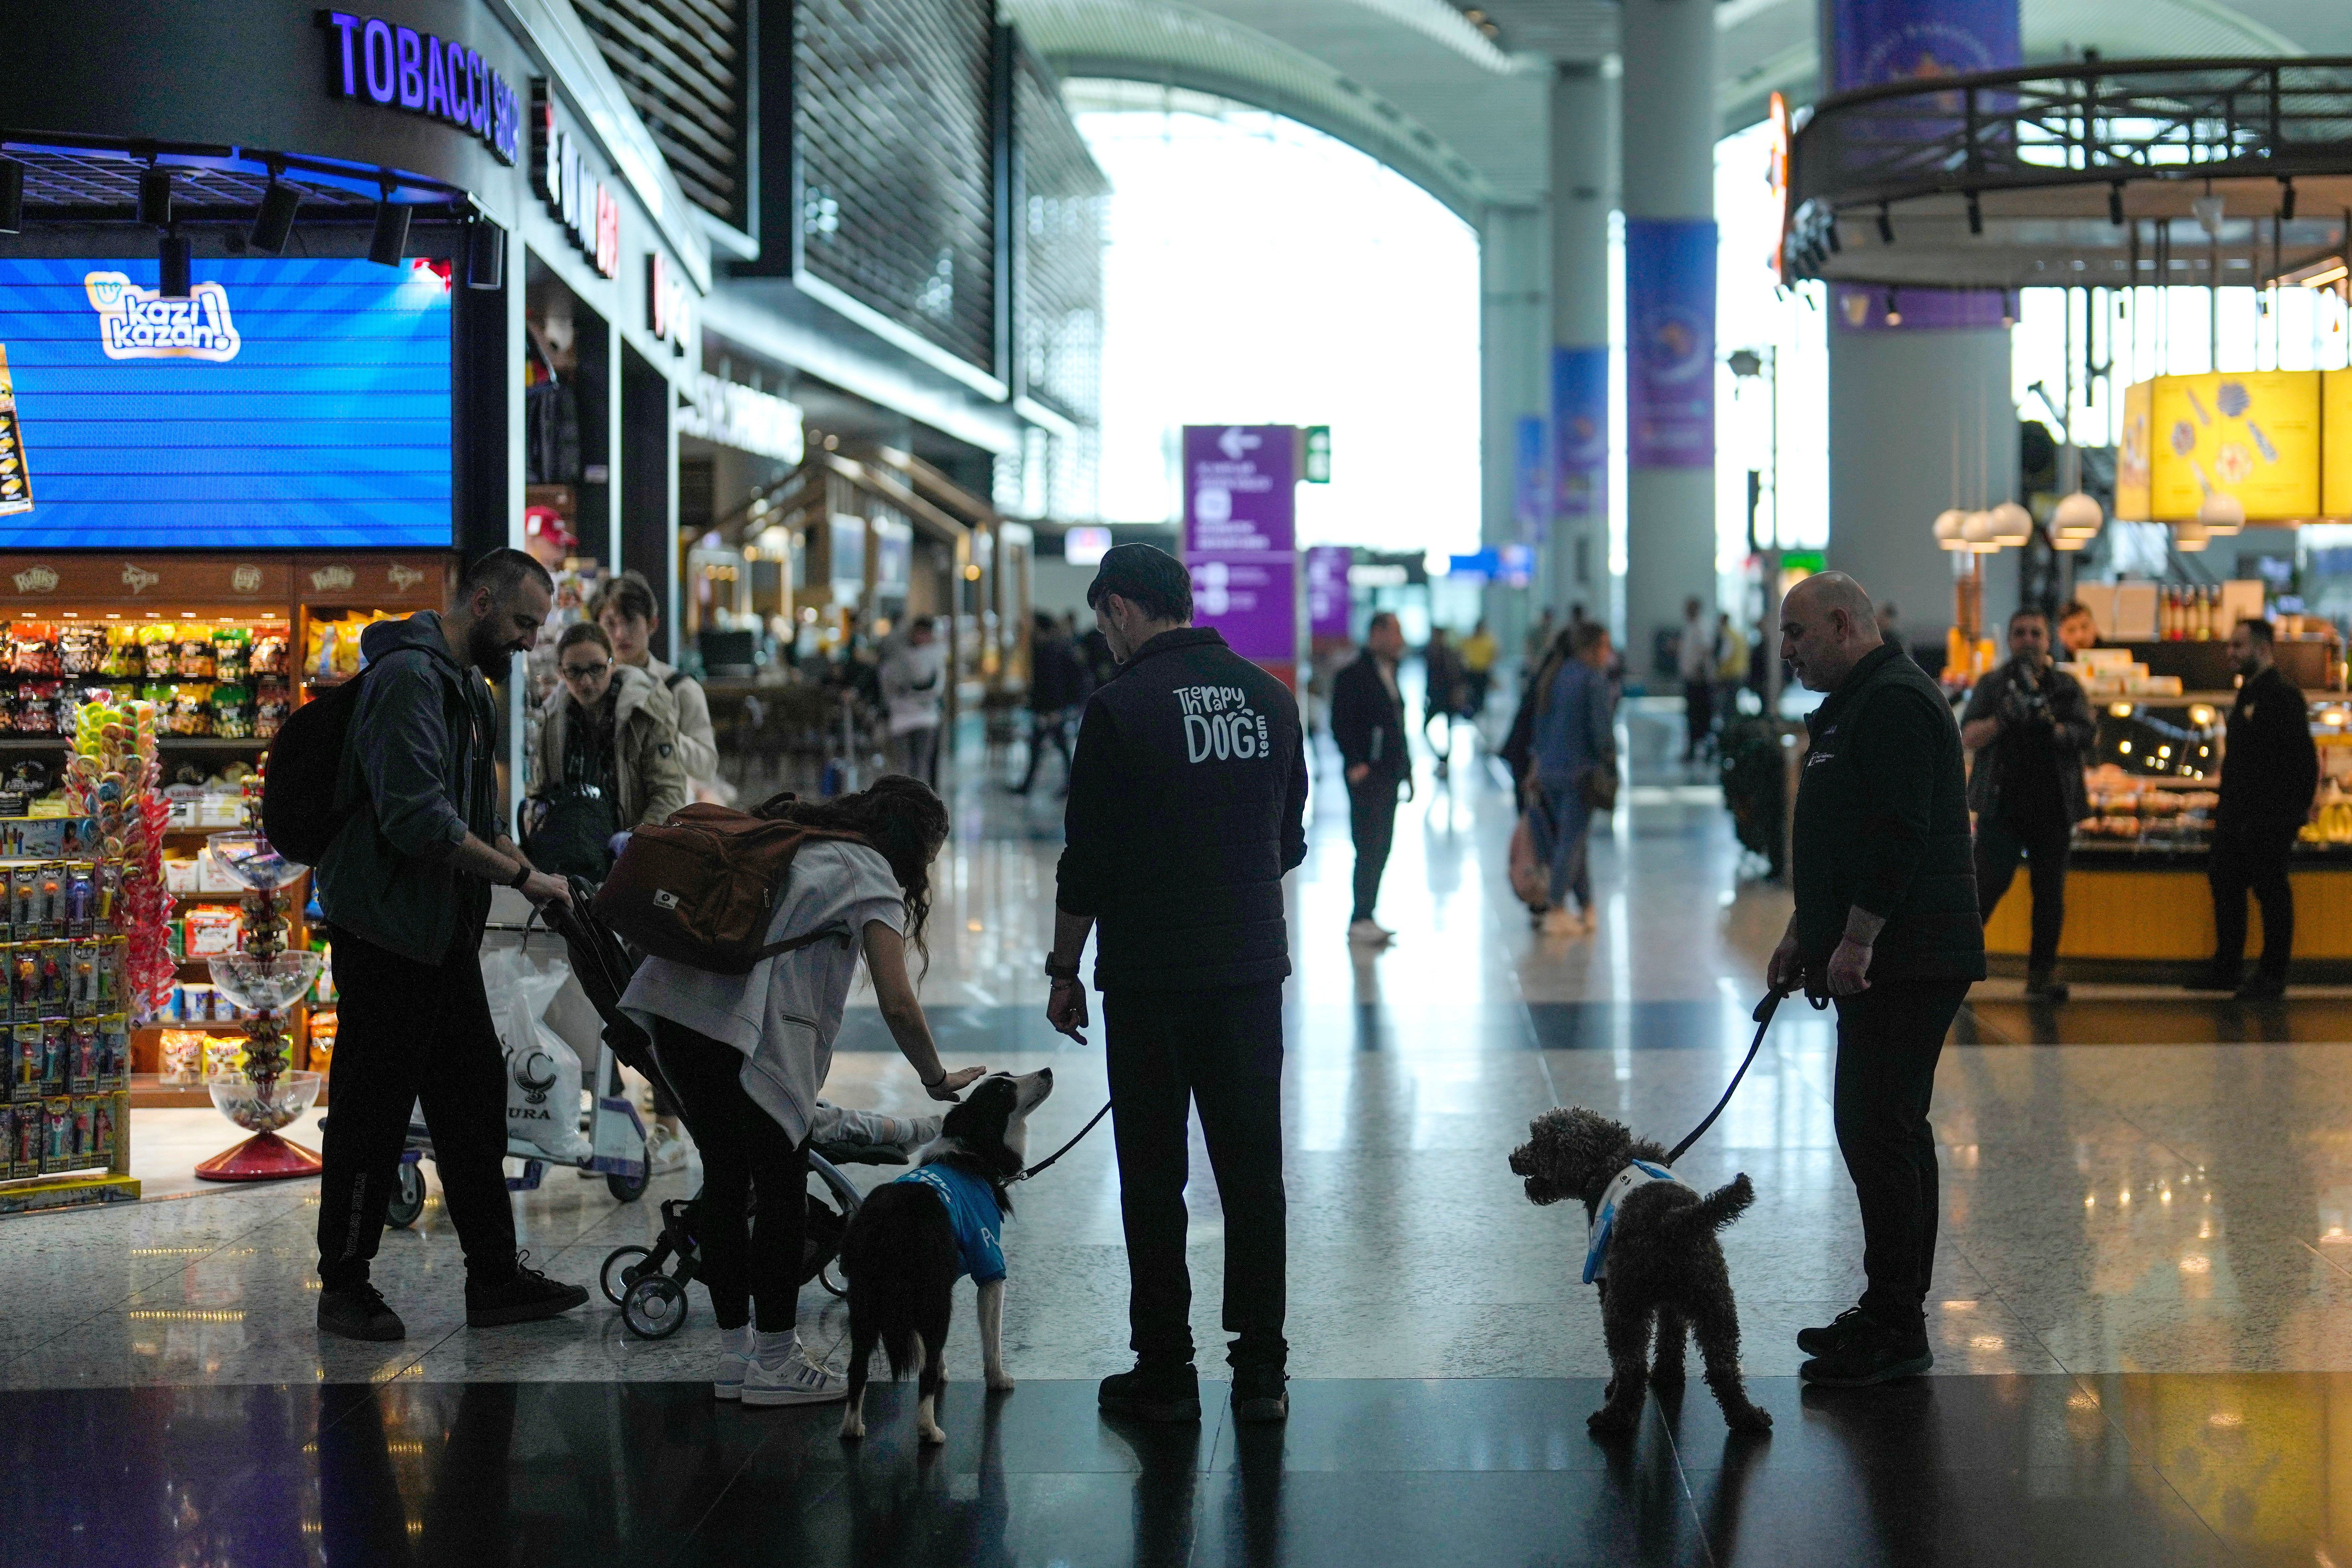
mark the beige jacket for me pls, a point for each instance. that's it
(698, 739)
(652, 765)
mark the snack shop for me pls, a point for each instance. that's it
(280, 348)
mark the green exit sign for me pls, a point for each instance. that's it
(1318, 468)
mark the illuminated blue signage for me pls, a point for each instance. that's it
(285, 404)
(400, 68)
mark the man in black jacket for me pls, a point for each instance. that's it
(2270, 772)
(1885, 923)
(1187, 801)
(1057, 685)
(2029, 724)
(1367, 726)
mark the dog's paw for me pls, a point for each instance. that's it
(1610, 1422)
(931, 1435)
(853, 1430)
(1000, 1382)
(1755, 1419)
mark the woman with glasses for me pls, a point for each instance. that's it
(608, 757)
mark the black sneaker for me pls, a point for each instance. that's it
(1831, 1336)
(1872, 1353)
(358, 1312)
(1259, 1394)
(528, 1296)
(1154, 1391)
(2041, 987)
(2261, 987)
(2212, 979)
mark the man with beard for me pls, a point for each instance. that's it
(2270, 770)
(405, 886)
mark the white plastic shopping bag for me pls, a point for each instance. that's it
(542, 1070)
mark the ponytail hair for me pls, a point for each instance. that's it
(901, 817)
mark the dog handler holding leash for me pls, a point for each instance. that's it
(1886, 923)
(1188, 799)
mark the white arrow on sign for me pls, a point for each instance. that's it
(1233, 443)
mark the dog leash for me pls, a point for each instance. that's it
(1073, 1144)
(1763, 1016)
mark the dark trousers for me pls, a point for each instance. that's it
(2045, 847)
(1698, 717)
(1221, 1051)
(746, 1265)
(1047, 730)
(1372, 821)
(2252, 860)
(414, 1031)
(1889, 1038)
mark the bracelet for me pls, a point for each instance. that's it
(934, 1082)
(520, 877)
(1061, 970)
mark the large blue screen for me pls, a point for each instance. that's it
(285, 404)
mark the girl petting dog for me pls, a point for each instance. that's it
(748, 1053)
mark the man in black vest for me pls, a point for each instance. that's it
(2270, 770)
(1367, 726)
(1886, 924)
(1188, 800)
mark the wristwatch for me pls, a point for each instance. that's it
(519, 877)
(1060, 971)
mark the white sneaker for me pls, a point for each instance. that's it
(797, 1381)
(1371, 932)
(664, 1151)
(734, 1363)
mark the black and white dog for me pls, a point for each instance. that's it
(912, 1237)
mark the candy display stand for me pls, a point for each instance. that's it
(267, 980)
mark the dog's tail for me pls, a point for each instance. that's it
(1715, 1211)
(900, 1260)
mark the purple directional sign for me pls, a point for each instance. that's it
(1241, 537)
(1327, 590)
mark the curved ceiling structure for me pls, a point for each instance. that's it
(1417, 84)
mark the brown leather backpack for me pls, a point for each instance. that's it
(701, 887)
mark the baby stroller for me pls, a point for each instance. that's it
(648, 1284)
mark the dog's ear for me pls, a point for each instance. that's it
(982, 1118)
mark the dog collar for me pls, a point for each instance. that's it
(1640, 1173)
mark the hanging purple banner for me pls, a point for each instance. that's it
(1670, 342)
(1240, 537)
(1579, 433)
(1860, 307)
(1531, 480)
(1873, 41)
(1327, 590)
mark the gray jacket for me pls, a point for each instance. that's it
(420, 752)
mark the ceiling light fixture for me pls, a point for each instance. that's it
(388, 241)
(155, 198)
(12, 196)
(173, 261)
(275, 223)
(1885, 225)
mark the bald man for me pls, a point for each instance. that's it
(1886, 925)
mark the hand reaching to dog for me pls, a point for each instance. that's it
(952, 1083)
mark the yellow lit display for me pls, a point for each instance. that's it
(2253, 435)
(2335, 452)
(2132, 499)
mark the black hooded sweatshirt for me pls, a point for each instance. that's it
(1187, 801)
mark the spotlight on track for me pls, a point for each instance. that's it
(155, 198)
(2115, 205)
(1885, 225)
(274, 222)
(486, 255)
(1893, 310)
(1975, 215)
(171, 261)
(388, 241)
(12, 196)
(2286, 199)
(1831, 233)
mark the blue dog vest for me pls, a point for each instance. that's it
(1640, 1173)
(972, 1211)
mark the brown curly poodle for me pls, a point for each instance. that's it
(1662, 1262)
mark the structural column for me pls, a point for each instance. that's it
(1510, 369)
(1575, 559)
(1670, 131)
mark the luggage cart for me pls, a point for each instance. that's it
(616, 1134)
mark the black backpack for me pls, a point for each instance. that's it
(304, 766)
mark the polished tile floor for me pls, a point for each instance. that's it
(2143, 1311)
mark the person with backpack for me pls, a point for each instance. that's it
(747, 1052)
(607, 756)
(628, 611)
(412, 847)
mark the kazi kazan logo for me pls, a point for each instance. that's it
(139, 323)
